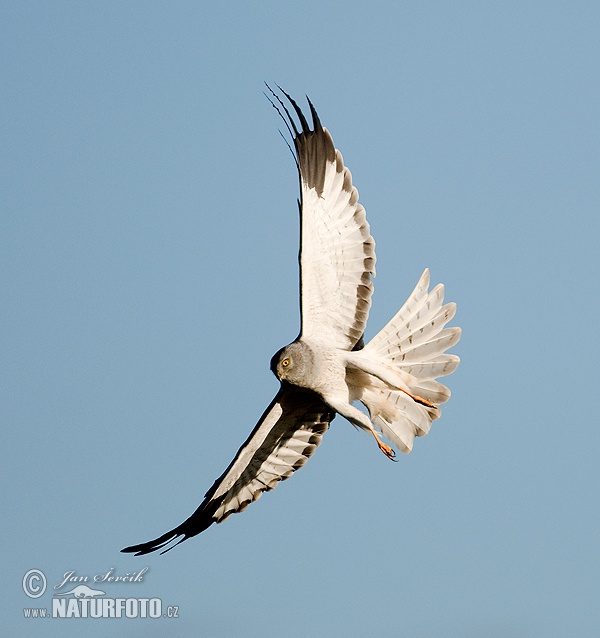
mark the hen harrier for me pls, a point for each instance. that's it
(328, 367)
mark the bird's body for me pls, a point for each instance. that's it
(328, 367)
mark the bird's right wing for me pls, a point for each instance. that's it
(283, 440)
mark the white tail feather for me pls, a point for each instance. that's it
(413, 344)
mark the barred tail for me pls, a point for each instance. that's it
(413, 345)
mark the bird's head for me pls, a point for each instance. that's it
(292, 363)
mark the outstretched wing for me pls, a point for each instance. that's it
(283, 440)
(337, 252)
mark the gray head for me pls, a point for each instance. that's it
(294, 364)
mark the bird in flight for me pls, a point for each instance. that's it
(328, 367)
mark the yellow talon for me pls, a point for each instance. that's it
(386, 449)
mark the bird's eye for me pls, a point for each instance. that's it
(285, 363)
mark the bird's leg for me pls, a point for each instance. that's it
(417, 399)
(391, 377)
(386, 449)
(360, 419)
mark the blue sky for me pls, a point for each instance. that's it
(149, 271)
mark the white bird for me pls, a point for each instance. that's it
(328, 367)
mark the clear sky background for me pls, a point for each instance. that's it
(149, 239)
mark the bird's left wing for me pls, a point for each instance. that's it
(283, 440)
(337, 252)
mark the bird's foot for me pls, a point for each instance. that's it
(386, 449)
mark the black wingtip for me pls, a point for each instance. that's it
(289, 122)
(160, 543)
(290, 119)
(315, 118)
(303, 121)
(199, 521)
(152, 546)
(314, 147)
